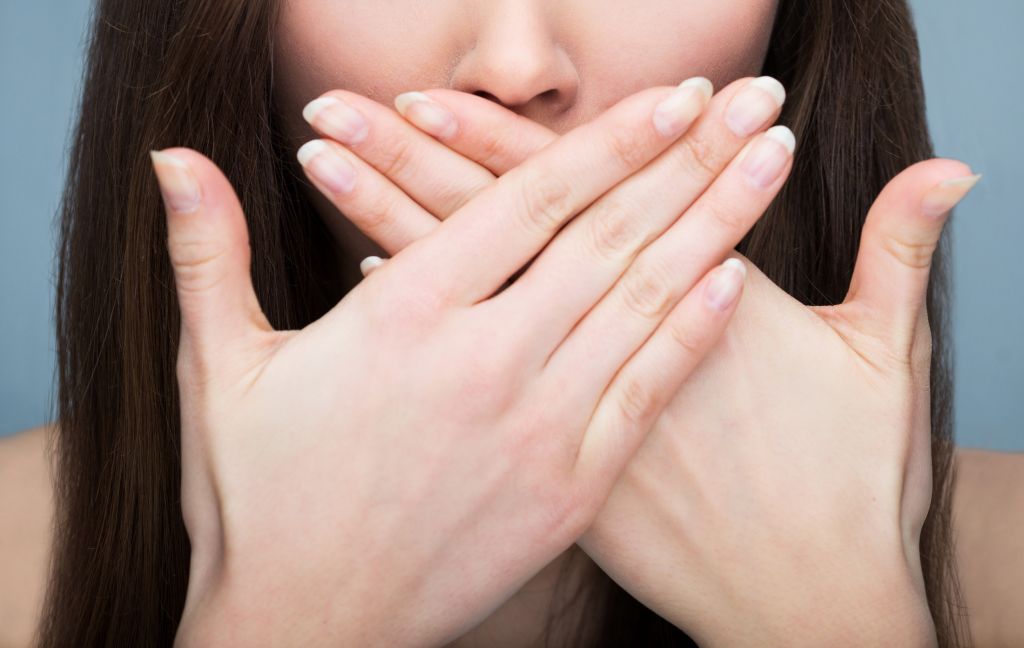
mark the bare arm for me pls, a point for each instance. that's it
(25, 510)
(988, 519)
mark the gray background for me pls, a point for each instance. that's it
(972, 53)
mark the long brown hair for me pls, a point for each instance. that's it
(199, 73)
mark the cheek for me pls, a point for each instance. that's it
(625, 51)
(361, 45)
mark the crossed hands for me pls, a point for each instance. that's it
(399, 468)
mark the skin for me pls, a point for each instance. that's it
(737, 395)
(519, 618)
(989, 495)
(556, 63)
(555, 438)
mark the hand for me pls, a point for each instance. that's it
(402, 465)
(648, 564)
(780, 498)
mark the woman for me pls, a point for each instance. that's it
(122, 554)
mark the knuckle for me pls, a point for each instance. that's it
(377, 214)
(193, 253)
(683, 334)
(192, 261)
(646, 291)
(724, 216)
(626, 146)
(913, 254)
(636, 401)
(546, 203)
(398, 155)
(614, 230)
(492, 148)
(696, 155)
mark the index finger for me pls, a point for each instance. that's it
(488, 133)
(473, 252)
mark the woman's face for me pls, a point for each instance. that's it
(558, 62)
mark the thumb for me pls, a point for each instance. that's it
(900, 235)
(208, 242)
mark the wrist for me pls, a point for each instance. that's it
(884, 609)
(229, 611)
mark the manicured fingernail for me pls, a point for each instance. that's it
(178, 184)
(946, 195)
(337, 119)
(326, 166)
(676, 112)
(724, 286)
(764, 161)
(369, 264)
(426, 114)
(754, 106)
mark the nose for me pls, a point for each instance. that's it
(518, 61)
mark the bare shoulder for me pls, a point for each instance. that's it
(991, 483)
(988, 519)
(970, 458)
(26, 508)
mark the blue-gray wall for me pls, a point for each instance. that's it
(972, 53)
(40, 63)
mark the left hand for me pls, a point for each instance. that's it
(781, 495)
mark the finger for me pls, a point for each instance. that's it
(377, 207)
(899, 237)
(646, 384)
(579, 267)
(431, 174)
(666, 269)
(473, 252)
(208, 242)
(487, 132)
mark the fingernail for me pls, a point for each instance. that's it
(754, 106)
(767, 157)
(426, 114)
(946, 195)
(326, 166)
(676, 112)
(178, 184)
(369, 264)
(725, 284)
(336, 119)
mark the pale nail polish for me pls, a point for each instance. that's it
(426, 114)
(369, 264)
(676, 112)
(178, 184)
(754, 106)
(337, 119)
(724, 286)
(766, 158)
(946, 195)
(326, 166)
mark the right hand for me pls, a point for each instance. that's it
(401, 466)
